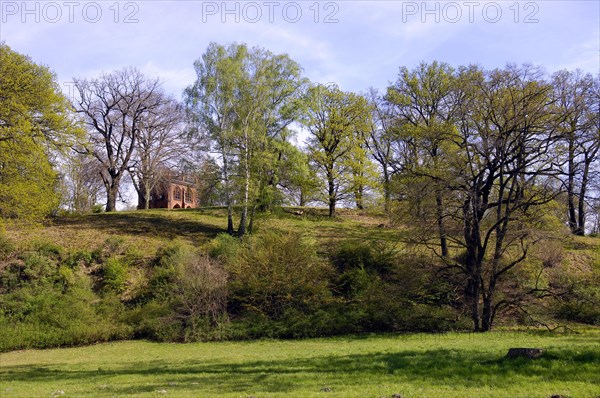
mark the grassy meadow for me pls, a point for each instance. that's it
(413, 365)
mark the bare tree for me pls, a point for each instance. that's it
(114, 107)
(161, 145)
(381, 139)
(83, 183)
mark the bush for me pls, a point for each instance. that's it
(224, 247)
(114, 275)
(373, 256)
(186, 299)
(31, 317)
(275, 272)
(6, 246)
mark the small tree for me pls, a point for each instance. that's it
(336, 121)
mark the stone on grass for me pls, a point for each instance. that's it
(531, 353)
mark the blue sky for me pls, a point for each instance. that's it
(357, 44)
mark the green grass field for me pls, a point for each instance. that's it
(417, 365)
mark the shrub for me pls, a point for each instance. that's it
(114, 275)
(46, 248)
(6, 246)
(186, 299)
(78, 258)
(277, 271)
(31, 317)
(373, 256)
(224, 247)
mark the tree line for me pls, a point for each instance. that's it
(236, 123)
(478, 162)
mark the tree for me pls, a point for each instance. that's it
(83, 183)
(35, 120)
(210, 103)
(504, 174)
(576, 98)
(424, 101)
(243, 101)
(161, 143)
(334, 119)
(114, 107)
(364, 178)
(380, 142)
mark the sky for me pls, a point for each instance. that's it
(356, 44)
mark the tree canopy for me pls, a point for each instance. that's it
(35, 121)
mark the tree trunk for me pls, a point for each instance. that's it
(472, 263)
(332, 198)
(302, 199)
(386, 189)
(440, 221)
(581, 205)
(229, 219)
(111, 197)
(244, 217)
(358, 194)
(487, 317)
(147, 194)
(571, 188)
(251, 222)
(227, 195)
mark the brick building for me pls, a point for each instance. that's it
(175, 194)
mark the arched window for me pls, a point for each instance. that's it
(177, 195)
(188, 195)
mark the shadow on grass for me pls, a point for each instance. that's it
(143, 224)
(433, 367)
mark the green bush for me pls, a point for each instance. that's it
(33, 317)
(78, 258)
(373, 256)
(224, 247)
(277, 271)
(6, 246)
(46, 248)
(114, 275)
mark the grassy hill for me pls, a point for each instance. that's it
(174, 275)
(149, 229)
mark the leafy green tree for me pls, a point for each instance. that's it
(297, 179)
(242, 103)
(424, 99)
(210, 102)
(381, 140)
(336, 121)
(35, 120)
